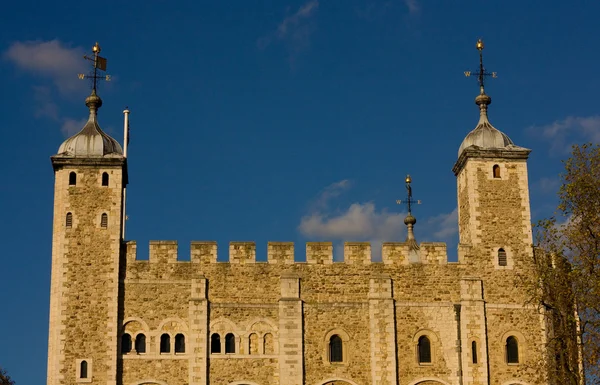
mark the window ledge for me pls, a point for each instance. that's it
(425, 363)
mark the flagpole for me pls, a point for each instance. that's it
(125, 145)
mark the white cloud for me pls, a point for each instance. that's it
(45, 105)
(332, 191)
(443, 226)
(413, 6)
(51, 59)
(72, 126)
(294, 30)
(564, 133)
(360, 222)
(59, 63)
(363, 222)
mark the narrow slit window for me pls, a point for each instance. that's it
(83, 369)
(335, 349)
(179, 343)
(424, 350)
(72, 180)
(474, 351)
(69, 220)
(104, 179)
(215, 343)
(165, 343)
(125, 343)
(104, 221)
(512, 350)
(502, 261)
(496, 171)
(140, 343)
(230, 343)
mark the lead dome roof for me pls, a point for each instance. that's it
(485, 135)
(91, 141)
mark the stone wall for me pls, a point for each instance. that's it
(85, 276)
(379, 310)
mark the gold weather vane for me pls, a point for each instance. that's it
(99, 64)
(481, 74)
(408, 201)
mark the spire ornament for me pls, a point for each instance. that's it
(410, 221)
(99, 64)
(482, 100)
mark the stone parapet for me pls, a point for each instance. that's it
(317, 253)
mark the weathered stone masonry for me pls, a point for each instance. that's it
(413, 318)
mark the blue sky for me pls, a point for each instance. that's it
(277, 120)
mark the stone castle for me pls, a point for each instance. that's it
(413, 318)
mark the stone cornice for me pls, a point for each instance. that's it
(519, 153)
(59, 162)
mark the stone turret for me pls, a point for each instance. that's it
(493, 194)
(90, 175)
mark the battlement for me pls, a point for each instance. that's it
(317, 253)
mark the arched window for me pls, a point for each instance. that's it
(215, 343)
(474, 351)
(140, 343)
(73, 182)
(69, 220)
(335, 349)
(253, 348)
(502, 257)
(496, 170)
(424, 350)
(230, 343)
(83, 369)
(165, 343)
(104, 221)
(104, 179)
(125, 343)
(512, 350)
(268, 346)
(179, 343)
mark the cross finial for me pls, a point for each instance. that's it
(481, 73)
(410, 221)
(408, 201)
(99, 63)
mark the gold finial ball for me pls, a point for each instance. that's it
(96, 48)
(479, 44)
(408, 179)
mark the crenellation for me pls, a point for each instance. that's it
(131, 251)
(434, 252)
(242, 252)
(357, 253)
(319, 253)
(163, 252)
(280, 252)
(394, 253)
(282, 322)
(203, 252)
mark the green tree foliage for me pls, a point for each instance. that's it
(4, 378)
(567, 260)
